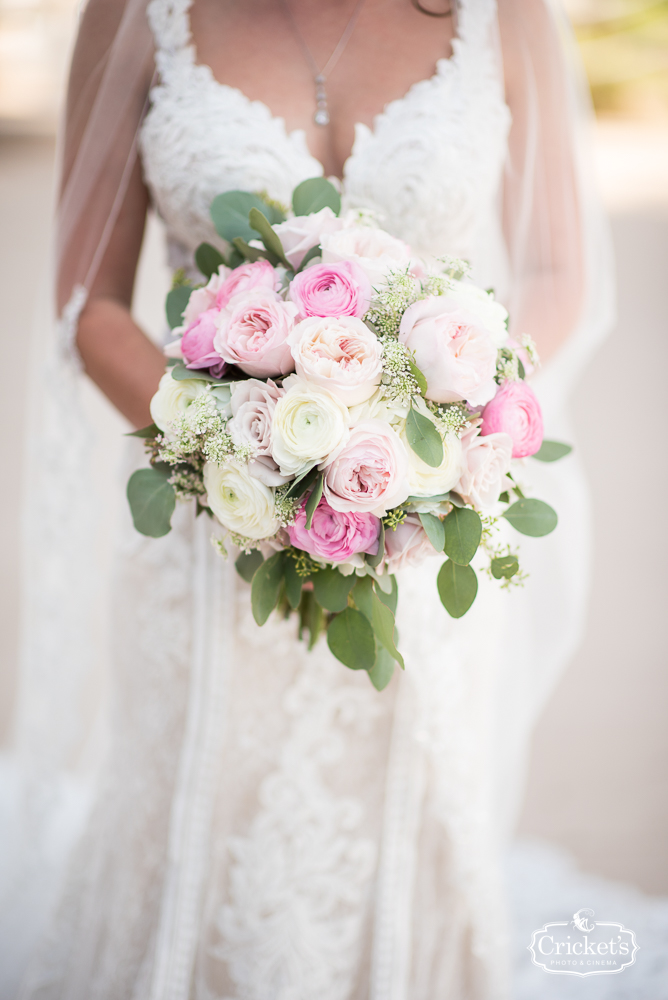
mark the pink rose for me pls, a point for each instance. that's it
(303, 232)
(453, 350)
(331, 290)
(342, 355)
(253, 404)
(407, 545)
(516, 411)
(253, 332)
(197, 342)
(335, 535)
(369, 472)
(258, 275)
(486, 467)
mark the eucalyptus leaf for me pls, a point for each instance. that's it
(293, 584)
(175, 304)
(331, 588)
(145, 432)
(208, 259)
(378, 558)
(229, 213)
(455, 499)
(350, 638)
(362, 594)
(457, 588)
(275, 214)
(391, 596)
(313, 501)
(424, 439)
(152, 500)
(383, 625)
(532, 517)
(266, 586)
(309, 256)
(462, 532)
(504, 567)
(180, 372)
(552, 451)
(261, 223)
(418, 376)
(314, 194)
(381, 672)
(252, 253)
(247, 563)
(434, 529)
(439, 498)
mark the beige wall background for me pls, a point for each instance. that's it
(598, 781)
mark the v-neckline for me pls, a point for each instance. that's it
(442, 65)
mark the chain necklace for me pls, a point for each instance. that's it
(321, 116)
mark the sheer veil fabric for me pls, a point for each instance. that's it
(446, 804)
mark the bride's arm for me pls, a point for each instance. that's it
(116, 354)
(542, 211)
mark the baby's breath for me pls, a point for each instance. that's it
(242, 542)
(436, 284)
(187, 482)
(507, 366)
(455, 267)
(450, 418)
(391, 302)
(529, 345)
(398, 380)
(285, 506)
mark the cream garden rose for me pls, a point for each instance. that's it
(309, 424)
(486, 467)
(491, 314)
(173, 399)
(241, 503)
(369, 472)
(374, 250)
(341, 354)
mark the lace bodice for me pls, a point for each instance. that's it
(429, 168)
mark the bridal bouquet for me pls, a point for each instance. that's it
(341, 410)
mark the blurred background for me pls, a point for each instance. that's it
(598, 783)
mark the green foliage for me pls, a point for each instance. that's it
(532, 517)
(383, 625)
(310, 617)
(362, 595)
(266, 587)
(504, 567)
(302, 483)
(331, 588)
(462, 532)
(293, 583)
(175, 304)
(457, 588)
(381, 672)
(308, 256)
(247, 563)
(350, 638)
(552, 451)
(313, 501)
(145, 432)
(376, 560)
(424, 439)
(314, 194)
(180, 372)
(390, 597)
(229, 213)
(273, 245)
(208, 259)
(418, 376)
(252, 253)
(152, 500)
(435, 530)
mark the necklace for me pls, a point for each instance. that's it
(321, 116)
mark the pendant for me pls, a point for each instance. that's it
(321, 116)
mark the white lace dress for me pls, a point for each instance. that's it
(271, 827)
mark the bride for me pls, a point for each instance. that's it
(267, 826)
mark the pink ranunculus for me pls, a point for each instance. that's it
(197, 341)
(486, 467)
(407, 545)
(454, 351)
(202, 299)
(253, 332)
(516, 411)
(335, 535)
(253, 404)
(341, 289)
(369, 472)
(343, 355)
(260, 274)
(303, 232)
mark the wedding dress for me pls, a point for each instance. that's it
(268, 826)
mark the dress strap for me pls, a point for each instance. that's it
(170, 25)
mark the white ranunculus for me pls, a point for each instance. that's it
(309, 423)
(240, 502)
(484, 306)
(426, 481)
(173, 399)
(374, 250)
(380, 407)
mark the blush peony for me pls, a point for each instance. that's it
(331, 290)
(303, 232)
(374, 250)
(335, 535)
(516, 411)
(486, 467)
(342, 355)
(369, 472)
(407, 545)
(454, 351)
(253, 332)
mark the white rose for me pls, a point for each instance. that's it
(486, 467)
(340, 354)
(482, 304)
(309, 423)
(240, 502)
(173, 399)
(303, 232)
(425, 481)
(376, 252)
